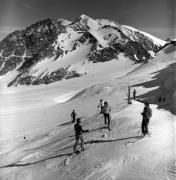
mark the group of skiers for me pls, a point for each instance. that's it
(105, 109)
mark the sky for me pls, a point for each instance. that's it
(153, 16)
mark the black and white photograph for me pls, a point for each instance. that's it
(87, 89)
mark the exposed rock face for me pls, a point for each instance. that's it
(50, 41)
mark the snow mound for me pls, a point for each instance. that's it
(66, 97)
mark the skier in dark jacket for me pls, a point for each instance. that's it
(134, 94)
(147, 114)
(79, 135)
(73, 116)
(106, 113)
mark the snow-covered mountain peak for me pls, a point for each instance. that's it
(89, 22)
(52, 50)
(104, 22)
(64, 22)
(83, 16)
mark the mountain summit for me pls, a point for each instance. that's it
(52, 50)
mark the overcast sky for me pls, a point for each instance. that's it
(153, 16)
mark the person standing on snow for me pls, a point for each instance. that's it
(134, 94)
(147, 114)
(101, 106)
(106, 113)
(73, 116)
(79, 135)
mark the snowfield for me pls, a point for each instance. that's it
(37, 137)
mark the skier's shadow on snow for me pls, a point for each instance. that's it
(18, 164)
(110, 140)
(101, 141)
(56, 141)
(65, 124)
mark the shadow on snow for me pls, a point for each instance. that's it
(56, 141)
(163, 95)
(18, 164)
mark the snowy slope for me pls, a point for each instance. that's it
(50, 65)
(41, 114)
(108, 36)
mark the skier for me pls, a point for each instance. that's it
(159, 99)
(129, 95)
(134, 94)
(73, 116)
(106, 113)
(79, 135)
(147, 114)
(101, 106)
